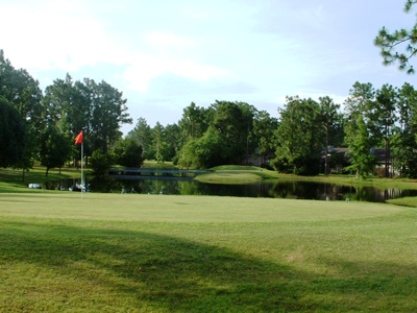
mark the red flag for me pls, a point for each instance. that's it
(79, 139)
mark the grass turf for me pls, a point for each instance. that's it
(148, 253)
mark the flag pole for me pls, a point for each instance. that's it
(82, 168)
(80, 140)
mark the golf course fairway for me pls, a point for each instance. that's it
(72, 252)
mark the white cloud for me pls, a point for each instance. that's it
(54, 35)
(65, 35)
(170, 40)
(144, 67)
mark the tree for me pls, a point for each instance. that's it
(404, 143)
(100, 166)
(142, 134)
(264, 128)
(193, 123)
(328, 115)
(159, 144)
(23, 92)
(12, 135)
(383, 118)
(359, 100)
(108, 113)
(128, 153)
(173, 141)
(55, 148)
(69, 104)
(299, 138)
(234, 123)
(204, 152)
(360, 147)
(399, 46)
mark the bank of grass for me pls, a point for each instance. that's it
(406, 201)
(149, 253)
(12, 180)
(234, 174)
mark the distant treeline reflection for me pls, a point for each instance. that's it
(188, 186)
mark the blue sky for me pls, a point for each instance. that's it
(165, 54)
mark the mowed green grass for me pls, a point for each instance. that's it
(68, 252)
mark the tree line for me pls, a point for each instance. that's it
(298, 140)
(36, 125)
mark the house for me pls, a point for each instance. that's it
(338, 159)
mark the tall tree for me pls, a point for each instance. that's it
(55, 148)
(128, 153)
(142, 134)
(234, 123)
(399, 46)
(68, 104)
(173, 141)
(404, 143)
(383, 117)
(361, 98)
(264, 128)
(108, 113)
(193, 123)
(299, 137)
(204, 152)
(22, 91)
(328, 115)
(360, 150)
(159, 143)
(12, 135)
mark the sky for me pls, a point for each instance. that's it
(165, 54)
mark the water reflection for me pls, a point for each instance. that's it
(280, 189)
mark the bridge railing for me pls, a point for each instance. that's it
(154, 172)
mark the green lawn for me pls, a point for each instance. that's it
(68, 252)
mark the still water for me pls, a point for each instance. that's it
(280, 189)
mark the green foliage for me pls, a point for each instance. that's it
(99, 109)
(55, 148)
(404, 142)
(204, 152)
(12, 135)
(100, 166)
(108, 113)
(361, 158)
(299, 138)
(234, 123)
(101, 163)
(327, 116)
(69, 104)
(193, 123)
(264, 128)
(142, 134)
(128, 153)
(23, 93)
(399, 46)
(228, 140)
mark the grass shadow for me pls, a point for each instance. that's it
(123, 270)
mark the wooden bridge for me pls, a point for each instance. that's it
(148, 172)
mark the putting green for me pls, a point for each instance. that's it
(199, 209)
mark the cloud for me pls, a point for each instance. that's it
(67, 36)
(146, 67)
(50, 35)
(168, 40)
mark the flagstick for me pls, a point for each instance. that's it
(82, 170)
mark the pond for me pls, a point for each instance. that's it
(279, 189)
